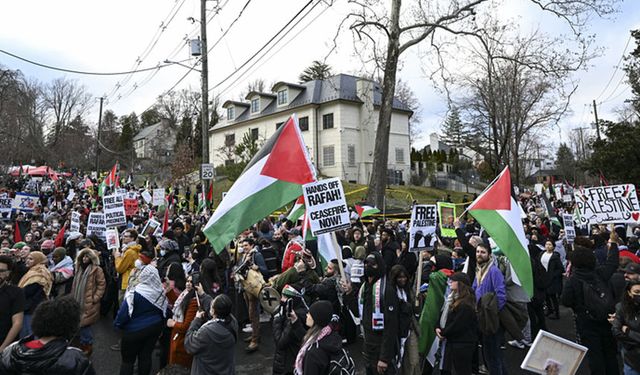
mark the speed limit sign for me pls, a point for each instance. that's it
(207, 172)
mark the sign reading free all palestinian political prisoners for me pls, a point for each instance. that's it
(608, 204)
(423, 226)
(75, 222)
(95, 225)
(326, 206)
(114, 214)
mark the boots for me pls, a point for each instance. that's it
(253, 346)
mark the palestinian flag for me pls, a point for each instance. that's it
(273, 178)
(497, 211)
(110, 180)
(430, 316)
(328, 249)
(365, 210)
(298, 210)
(551, 213)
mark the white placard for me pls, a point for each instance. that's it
(75, 222)
(25, 202)
(150, 227)
(326, 206)
(114, 213)
(569, 228)
(95, 225)
(608, 204)
(538, 188)
(158, 197)
(423, 226)
(146, 196)
(5, 206)
(558, 192)
(71, 195)
(113, 239)
(121, 191)
(131, 195)
(549, 348)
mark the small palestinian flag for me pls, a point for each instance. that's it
(298, 210)
(365, 210)
(273, 178)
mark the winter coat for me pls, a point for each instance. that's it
(177, 353)
(553, 274)
(631, 339)
(165, 261)
(126, 263)
(54, 358)
(201, 337)
(316, 359)
(94, 288)
(288, 339)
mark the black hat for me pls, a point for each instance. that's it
(632, 267)
(461, 277)
(321, 312)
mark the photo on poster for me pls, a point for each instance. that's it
(447, 213)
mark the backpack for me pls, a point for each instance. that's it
(598, 300)
(341, 363)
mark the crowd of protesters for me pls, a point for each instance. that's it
(171, 290)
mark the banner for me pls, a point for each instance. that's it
(5, 206)
(25, 202)
(158, 197)
(608, 204)
(446, 216)
(113, 206)
(569, 228)
(75, 222)
(113, 239)
(95, 225)
(130, 206)
(326, 206)
(423, 226)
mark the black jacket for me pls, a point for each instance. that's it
(461, 326)
(288, 339)
(55, 358)
(316, 359)
(166, 260)
(553, 274)
(631, 339)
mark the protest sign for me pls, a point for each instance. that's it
(25, 202)
(5, 206)
(446, 216)
(121, 191)
(326, 206)
(569, 228)
(423, 226)
(538, 188)
(608, 204)
(146, 196)
(71, 195)
(150, 227)
(75, 222)
(158, 197)
(95, 225)
(113, 239)
(131, 195)
(557, 190)
(114, 214)
(130, 206)
(549, 349)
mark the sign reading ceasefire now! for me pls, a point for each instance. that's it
(326, 206)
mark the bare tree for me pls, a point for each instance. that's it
(65, 100)
(408, 97)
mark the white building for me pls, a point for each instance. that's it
(338, 118)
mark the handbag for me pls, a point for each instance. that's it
(253, 283)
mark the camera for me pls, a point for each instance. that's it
(195, 278)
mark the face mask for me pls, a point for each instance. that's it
(370, 271)
(163, 253)
(636, 299)
(138, 263)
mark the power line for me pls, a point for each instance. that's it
(616, 69)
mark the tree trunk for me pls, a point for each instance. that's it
(378, 180)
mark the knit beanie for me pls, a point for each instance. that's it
(19, 245)
(321, 312)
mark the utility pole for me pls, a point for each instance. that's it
(205, 90)
(98, 139)
(595, 113)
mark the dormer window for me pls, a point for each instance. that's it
(231, 113)
(283, 97)
(255, 105)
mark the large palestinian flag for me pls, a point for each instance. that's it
(273, 178)
(499, 214)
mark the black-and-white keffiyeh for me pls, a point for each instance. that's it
(149, 286)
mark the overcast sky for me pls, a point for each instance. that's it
(110, 36)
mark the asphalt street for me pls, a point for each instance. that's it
(106, 361)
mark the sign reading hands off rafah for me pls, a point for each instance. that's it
(608, 204)
(326, 206)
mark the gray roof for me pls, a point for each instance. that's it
(146, 132)
(338, 87)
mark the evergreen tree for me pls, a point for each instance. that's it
(150, 117)
(454, 131)
(125, 142)
(317, 70)
(565, 162)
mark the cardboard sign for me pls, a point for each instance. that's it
(150, 227)
(95, 225)
(158, 197)
(130, 206)
(326, 206)
(131, 195)
(121, 191)
(550, 349)
(146, 196)
(569, 228)
(114, 214)
(25, 202)
(75, 222)
(447, 213)
(423, 226)
(5, 206)
(538, 188)
(608, 204)
(113, 239)
(558, 192)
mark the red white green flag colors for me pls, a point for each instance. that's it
(273, 178)
(297, 211)
(499, 214)
(366, 210)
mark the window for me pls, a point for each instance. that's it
(399, 155)
(229, 139)
(327, 121)
(231, 113)
(351, 155)
(279, 125)
(255, 105)
(283, 97)
(228, 162)
(254, 134)
(328, 157)
(303, 123)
